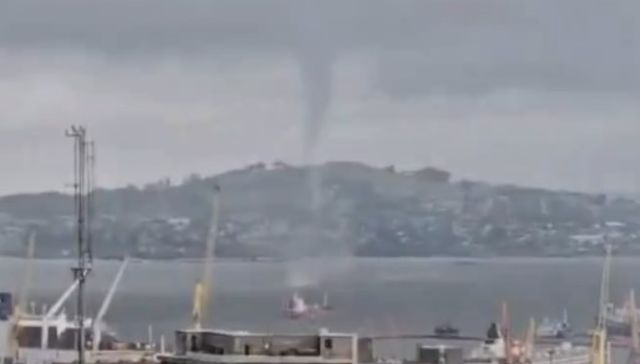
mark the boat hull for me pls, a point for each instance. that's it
(619, 329)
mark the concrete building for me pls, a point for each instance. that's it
(439, 355)
(241, 347)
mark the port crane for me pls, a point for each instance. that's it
(505, 325)
(600, 347)
(23, 295)
(203, 286)
(530, 339)
(523, 351)
(98, 322)
(634, 354)
(517, 351)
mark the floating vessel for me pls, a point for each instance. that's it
(498, 350)
(500, 347)
(493, 349)
(446, 330)
(618, 319)
(554, 329)
(297, 308)
(634, 352)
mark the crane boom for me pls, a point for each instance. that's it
(26, 283)
(635, 342)
(600, 353)
(604, 288)
(203, 287)
(530, 339)
(44, 338)
(23, 295)
(505, 326)
(58, 305)
(97, 324)
(197, 306)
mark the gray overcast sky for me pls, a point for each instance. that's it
(539, 92)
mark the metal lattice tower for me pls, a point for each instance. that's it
(83, 199)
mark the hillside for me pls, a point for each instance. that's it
(267, 211)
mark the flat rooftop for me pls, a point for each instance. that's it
(257, 359)
(241, 333)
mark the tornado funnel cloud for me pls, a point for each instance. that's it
(316, 76)
(315, 58)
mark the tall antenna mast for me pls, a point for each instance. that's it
(83, 186)
(91, 185)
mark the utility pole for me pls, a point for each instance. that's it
(83, 186)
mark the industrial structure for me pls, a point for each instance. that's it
(51, 336)
(83, 196)
(203, 287)
(600, 346)
(240, 347)
(634, 350)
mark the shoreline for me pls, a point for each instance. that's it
(462, 260)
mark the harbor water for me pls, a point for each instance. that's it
(370, 296)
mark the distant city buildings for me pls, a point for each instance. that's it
(363, 211)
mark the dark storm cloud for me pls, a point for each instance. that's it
(539, 92)
(432, 47)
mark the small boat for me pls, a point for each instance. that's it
(297, 308)
(618, 320)
(446, 330)
(554, 329)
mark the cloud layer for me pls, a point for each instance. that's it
(541, 93)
